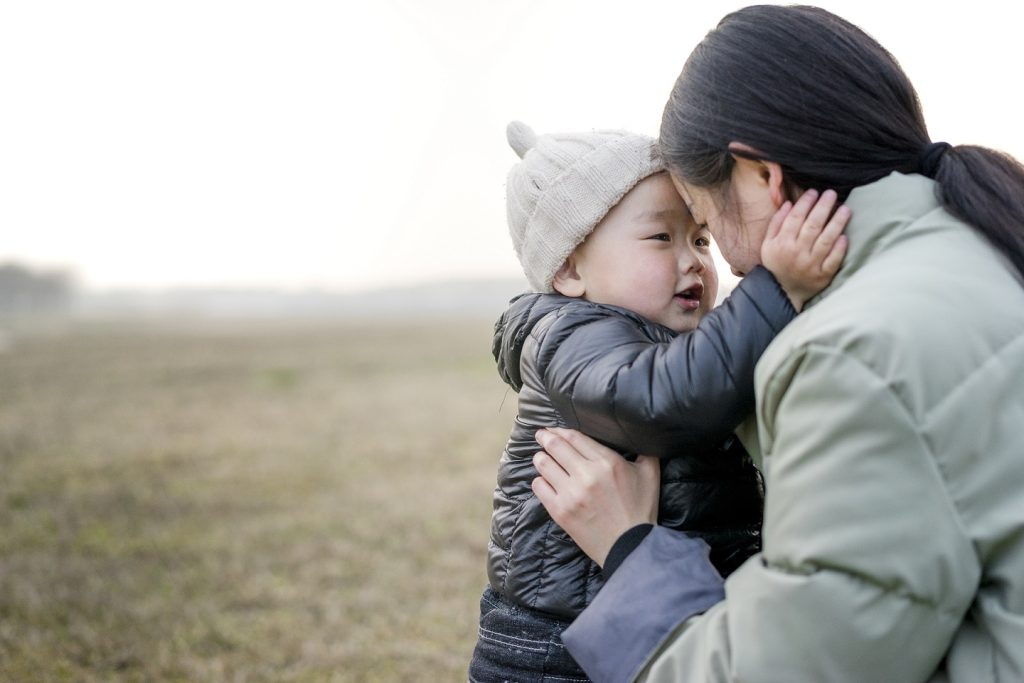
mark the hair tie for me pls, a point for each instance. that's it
(928, 162)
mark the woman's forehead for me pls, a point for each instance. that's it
(695, 198)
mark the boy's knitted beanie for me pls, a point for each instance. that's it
(563, 187)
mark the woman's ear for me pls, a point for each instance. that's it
(749, 161)
(568, 280)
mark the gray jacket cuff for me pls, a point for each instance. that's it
(665, 581)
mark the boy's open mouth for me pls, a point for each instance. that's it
(690, 297)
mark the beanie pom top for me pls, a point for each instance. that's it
(521, 137)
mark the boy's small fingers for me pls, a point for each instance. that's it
(805, 203)
(839, 219)
(775, 224)
(834, 259)
(795, 216)
(798, 214)
(818, 217)
(835, 227)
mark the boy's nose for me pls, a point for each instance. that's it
(690, 260)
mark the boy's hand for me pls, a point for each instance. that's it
(804, 245)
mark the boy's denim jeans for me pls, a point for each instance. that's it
(519, 645)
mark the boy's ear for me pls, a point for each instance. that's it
(769, 173)
(568, 281)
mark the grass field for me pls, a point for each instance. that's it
(245, 501)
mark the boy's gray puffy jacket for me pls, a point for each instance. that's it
(639, 388)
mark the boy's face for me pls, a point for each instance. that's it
(648, 255)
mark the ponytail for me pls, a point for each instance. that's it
(985, 188)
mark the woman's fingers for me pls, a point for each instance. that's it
(581, 445)
(578, 454)
(550, 469)
(560, 452)
(545, 493)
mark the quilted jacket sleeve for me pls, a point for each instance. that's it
(866, 571)
(608, 379)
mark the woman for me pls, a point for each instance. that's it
(888, 415)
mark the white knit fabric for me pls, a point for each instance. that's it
(562, 188)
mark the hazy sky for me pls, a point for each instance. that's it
(359, 144)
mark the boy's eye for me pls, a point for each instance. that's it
(703, 242)
(662, 236)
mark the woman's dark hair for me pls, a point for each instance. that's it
(815, 94)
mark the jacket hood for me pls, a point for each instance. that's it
(513, 328)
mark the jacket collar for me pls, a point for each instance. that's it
(882, 210)
(513, 327)
(882, 213)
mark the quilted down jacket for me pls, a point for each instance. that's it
(639, 388)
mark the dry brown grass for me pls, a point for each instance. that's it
(245, 502)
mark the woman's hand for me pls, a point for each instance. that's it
(591, 491)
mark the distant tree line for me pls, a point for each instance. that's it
(23, 290)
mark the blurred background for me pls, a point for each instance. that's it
(251, 255)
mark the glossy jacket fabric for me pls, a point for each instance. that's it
(889, 430)
(639, 388)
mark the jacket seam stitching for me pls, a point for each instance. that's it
(544, 560)
(516, 527)
(865, 580)
(994, 357)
